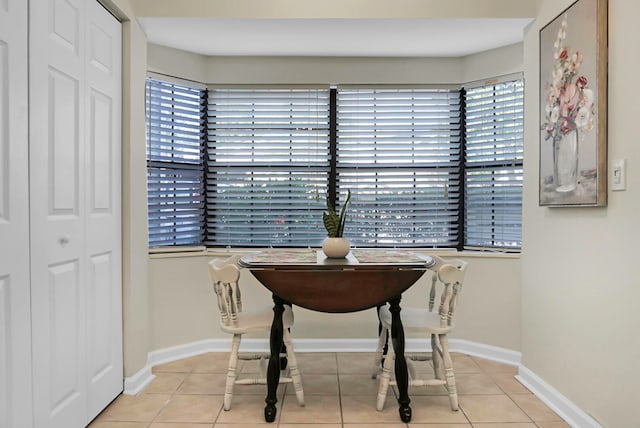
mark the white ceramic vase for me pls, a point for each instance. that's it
(336, 248)
(565, 162)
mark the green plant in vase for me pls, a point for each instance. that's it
(336, 245)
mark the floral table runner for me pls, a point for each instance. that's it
(285, 256)
(386, 256)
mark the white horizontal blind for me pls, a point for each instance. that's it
(175, 167)
(268, 167)
(398, 150)
(493, 165)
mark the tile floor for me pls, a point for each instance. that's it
(339, 393)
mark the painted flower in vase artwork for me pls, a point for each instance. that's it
(569, 101)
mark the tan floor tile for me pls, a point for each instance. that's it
(128, 408)
(554, 424)
(247, 409)
(204, 383)
(318, 408)
(489, 366)
(371, 425)
(211, 362)
(358, 384)
(412, 425)
(362, 410)
(215, 383)
(491, 408)
(476, 384)
(110, 424)
(317, 363)
(432, 409)
(317, 384)
(251, 366)
(165, 383)
(506, 425)
(424, 368)
(178, 425)
(508, 383)
(424, 390)
(535, 408)
(179, 366)
(309, 425)
(191, 408)
(355, 363)
(253, 425)
(464, 364)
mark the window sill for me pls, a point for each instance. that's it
(167, 253)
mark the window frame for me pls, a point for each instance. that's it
(175, 184)
(333, 192)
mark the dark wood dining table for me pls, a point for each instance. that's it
(362, 280)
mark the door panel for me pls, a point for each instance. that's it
(15, 306)
(58, 265)
(63, 142)
(103, 215)
(64, 338)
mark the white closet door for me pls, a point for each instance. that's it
(58, 270)
(15, 311)
(75, 268)
(103, 136)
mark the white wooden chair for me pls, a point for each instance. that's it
(225, 275)
(447, 281)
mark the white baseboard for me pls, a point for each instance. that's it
(557, 402)
(136, 383)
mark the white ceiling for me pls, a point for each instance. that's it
(335, 37)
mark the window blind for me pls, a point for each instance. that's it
(175, 116)
(399, 152)
(267, 167)
(493, 165)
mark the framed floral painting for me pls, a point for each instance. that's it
(573, 107)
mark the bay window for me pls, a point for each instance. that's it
(428, 167)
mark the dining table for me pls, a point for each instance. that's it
(364, 279)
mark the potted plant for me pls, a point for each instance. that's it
(335, 245)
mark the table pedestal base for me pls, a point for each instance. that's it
(402, 376)
(275, 363)
(273, 369)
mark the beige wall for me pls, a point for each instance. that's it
(184, 309)
(579, 287)
(135, 284)
(334, 70)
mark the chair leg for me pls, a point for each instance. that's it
(232, 371)
(377, 358)
(384, 379)
(296, 379)
(436, 357)
(448, 370)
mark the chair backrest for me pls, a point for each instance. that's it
(224, 275)
(450, 274)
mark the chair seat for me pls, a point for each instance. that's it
(416, 319)
(251, 321)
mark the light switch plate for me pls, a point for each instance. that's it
(619, 174)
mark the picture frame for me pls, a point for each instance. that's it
(573, 107)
